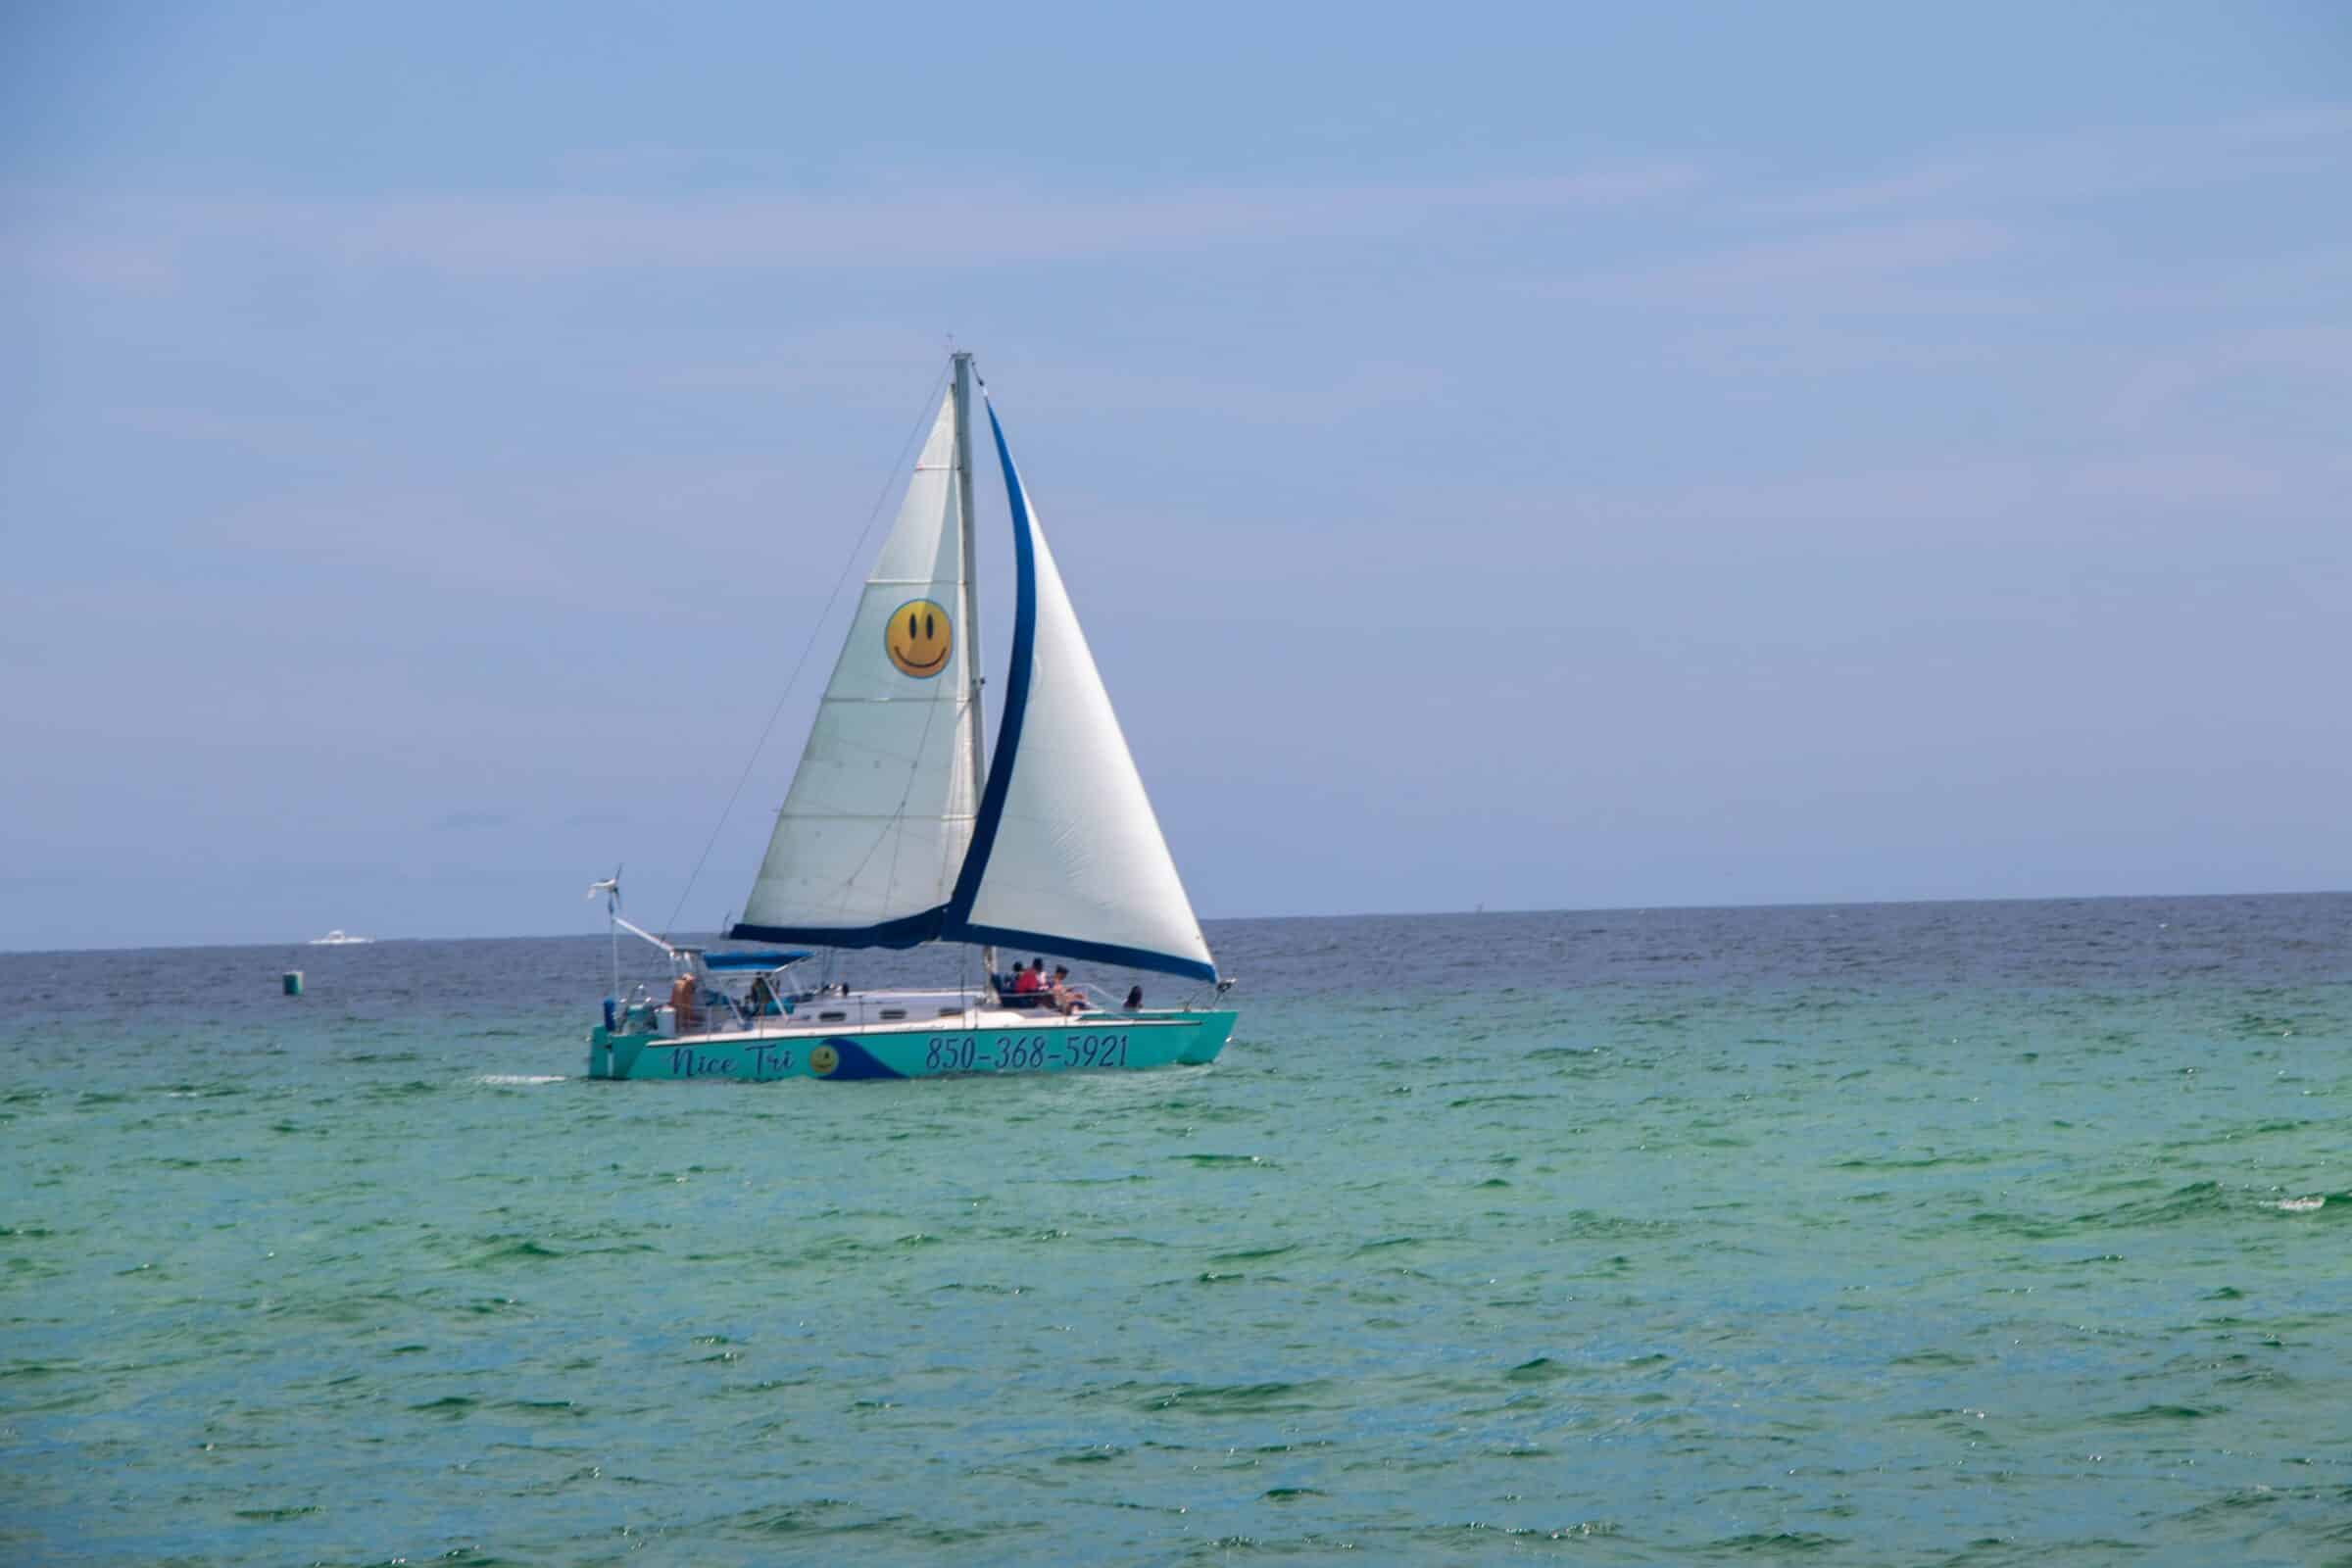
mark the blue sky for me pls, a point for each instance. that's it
(1547, 456)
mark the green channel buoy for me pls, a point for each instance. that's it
(293, 982)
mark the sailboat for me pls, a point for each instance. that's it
(900, 829)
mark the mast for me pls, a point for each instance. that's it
(971, 608)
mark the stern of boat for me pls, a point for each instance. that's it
(611, 1055)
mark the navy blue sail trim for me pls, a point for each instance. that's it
(1092, 952)
(907, 931)
(1001, 762)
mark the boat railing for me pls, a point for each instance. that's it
(1090, 999)
(723, 1013)
(858, 1008)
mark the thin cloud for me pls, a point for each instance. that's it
(923, 229)
(1847, 267)
(2012, 172)
(903, 229)
(2316, 357)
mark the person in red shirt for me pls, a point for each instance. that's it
(1027, 982)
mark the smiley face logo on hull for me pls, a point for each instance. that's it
(822, 1060)
(918, 638)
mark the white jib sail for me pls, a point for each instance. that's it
(1078, 852)
(880, 811)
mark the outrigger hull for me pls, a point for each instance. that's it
(1091, 1042)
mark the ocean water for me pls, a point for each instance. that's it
(1987, 1232)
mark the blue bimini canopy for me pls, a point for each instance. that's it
(750, 960)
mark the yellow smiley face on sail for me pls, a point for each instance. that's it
(918, 638)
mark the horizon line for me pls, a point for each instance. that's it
(1365, 914)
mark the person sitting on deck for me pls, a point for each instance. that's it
(1135, 999)
(1066, 998)
(1028, 982)
(763, 1003)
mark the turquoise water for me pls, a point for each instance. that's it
(1933, 1234)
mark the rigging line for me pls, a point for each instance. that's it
(898, 466)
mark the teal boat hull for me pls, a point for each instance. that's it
(1089, 1042)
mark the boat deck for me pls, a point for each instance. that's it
(912, 1012)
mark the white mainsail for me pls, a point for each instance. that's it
(879, 816)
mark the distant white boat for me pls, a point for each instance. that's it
(338, 939)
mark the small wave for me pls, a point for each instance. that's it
(413, 1088)
(1099, 1453)
(2155, 1412)
(1781, 1544)
(526, 1249)
(1924, 1162)
(2196, 1200)
(2024, 1225)
(1384, 1242)
(1250, 1255)
(522, 1080)
(1235, 1399)
(2232, 1504)
(2301, 1205)
(819, 1516)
